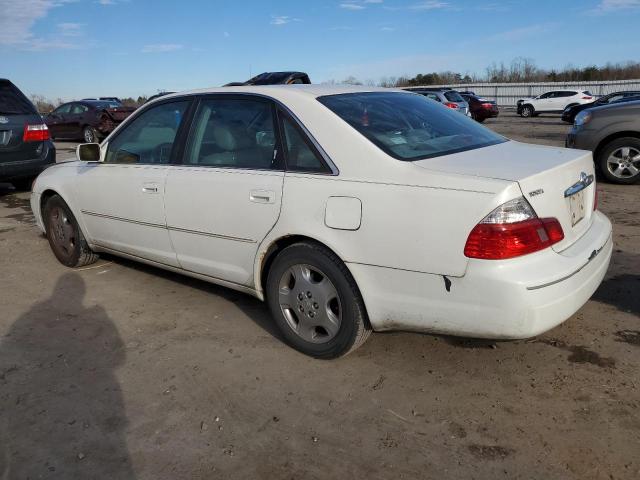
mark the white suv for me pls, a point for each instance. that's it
(553, 102)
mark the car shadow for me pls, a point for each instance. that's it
(62, 413)
(253, 308)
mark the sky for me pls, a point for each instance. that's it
(77, 48)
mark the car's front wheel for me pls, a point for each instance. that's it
(90, 135)
(315, 302)
(619, 160)
(527, 111)
(65, 237)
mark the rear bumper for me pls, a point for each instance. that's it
(29, 167)
(509, 299)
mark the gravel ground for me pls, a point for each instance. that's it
(122, 371)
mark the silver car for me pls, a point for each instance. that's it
(446, 96)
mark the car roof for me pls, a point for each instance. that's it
(286, 92)
(618, 105)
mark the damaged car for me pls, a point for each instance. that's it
(88, 120)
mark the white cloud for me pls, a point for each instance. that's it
(388, 29)
(226, 34)
(161, 47)
(358, 4)
(69, 29)
(279, 20)
(352, 6)
(18, 19)
(106, 2)
(606, 6)
(429, 5)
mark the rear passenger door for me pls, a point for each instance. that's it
(226, 196)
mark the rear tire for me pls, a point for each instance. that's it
(65, 237)
(480, 120)
(527, 111)
(619, 160)
(315, 302)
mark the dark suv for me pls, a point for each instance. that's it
(25, 144)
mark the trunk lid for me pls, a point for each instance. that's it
(545, 176)
(12, 148)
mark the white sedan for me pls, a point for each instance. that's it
(347, 209)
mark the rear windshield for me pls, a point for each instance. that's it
(12, 101)
(104, 104)
(408, 126)
(453, 97)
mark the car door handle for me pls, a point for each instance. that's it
(262, 196)
(150, 188)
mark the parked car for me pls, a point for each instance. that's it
(552, 102)
(349, 209)
(106, 99)
(480, 108)
(275, 78)
(448, 97)
(612, 133)
(569, 113)
(25, 145)
(90, 120)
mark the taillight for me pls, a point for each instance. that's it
(35, 133)
(451, 105)
(511, 230)
(487, 105)
(587, 98)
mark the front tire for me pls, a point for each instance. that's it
(527, 111)
(89, 134)
(619, 160)
(65, 237)
(315, 302)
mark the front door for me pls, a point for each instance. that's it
(122, 198)
(56, 121)
(223, 200)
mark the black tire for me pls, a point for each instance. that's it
(23, 184)
(480, 119)
(90, 135)
(354, 326)
(625, 177)
(65, 237)
(527, 111)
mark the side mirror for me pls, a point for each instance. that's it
(88, 152)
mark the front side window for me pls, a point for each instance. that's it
(301, 156)
(233, 133)
(149, 137)
(63, 109)
(546, 95)
(407, 126)
(78, 108)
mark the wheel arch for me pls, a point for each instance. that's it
(267, 256)
(44, 198)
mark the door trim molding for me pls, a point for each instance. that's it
(167, 227)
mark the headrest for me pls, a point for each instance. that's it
(231, 139)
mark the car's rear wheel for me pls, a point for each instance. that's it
(315, 302)
(619, 160)
(65, 237)
(527, 111)
(90, 134)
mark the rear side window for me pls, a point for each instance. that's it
(407, 126)
(453, 97)
(13, 101)
(149, 137)
(233, 133)
(432, 96)
(569, 94)
(301, 156)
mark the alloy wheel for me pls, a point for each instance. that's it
(310, 303)
(624, 162)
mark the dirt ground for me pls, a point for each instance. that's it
(122, 371)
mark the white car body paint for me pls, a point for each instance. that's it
(405, 250)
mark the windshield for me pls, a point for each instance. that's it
(453, 97)
(408, 126)
(12, 101)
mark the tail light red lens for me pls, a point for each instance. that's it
(451, 105)
(499, 241)
(487, 105)
(35, 133)
(587, 98)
